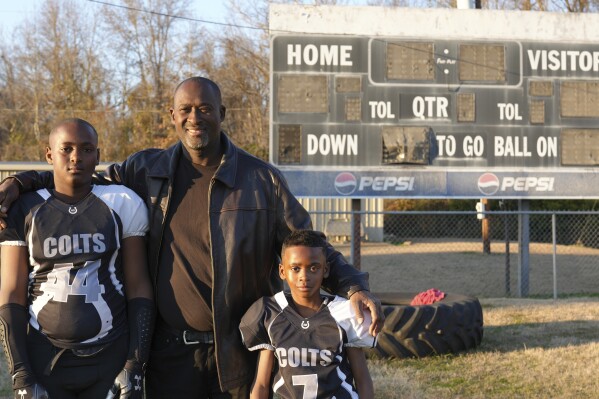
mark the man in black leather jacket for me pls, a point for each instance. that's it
(210, 255)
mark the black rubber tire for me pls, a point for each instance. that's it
(452, 325)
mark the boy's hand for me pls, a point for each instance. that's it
(25, 387)
(365, 300)
(128, 384)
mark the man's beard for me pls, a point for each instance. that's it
(197, 143)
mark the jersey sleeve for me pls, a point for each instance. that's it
(129, 206)
(253, 329)
(357, 334)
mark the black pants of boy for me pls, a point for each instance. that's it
(75, 376)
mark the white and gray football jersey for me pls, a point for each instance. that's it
(310, 352)
(76, 294)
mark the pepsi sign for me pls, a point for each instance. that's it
(345, 183)
(488, 184)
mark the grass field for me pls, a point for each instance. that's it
(531, 349)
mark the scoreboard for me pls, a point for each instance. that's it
(431, 113)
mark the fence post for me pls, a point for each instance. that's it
(506, 235)
(356, 228)
(485, 228)
(523, 247)
(554, 237)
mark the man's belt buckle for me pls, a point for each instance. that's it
(186, 341)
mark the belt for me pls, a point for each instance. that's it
(85, 351)
(185, 337)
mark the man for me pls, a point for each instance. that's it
(218, 217)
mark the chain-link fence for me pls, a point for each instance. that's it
(537, 254)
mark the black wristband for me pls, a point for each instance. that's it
(142, 314)
(13, 336)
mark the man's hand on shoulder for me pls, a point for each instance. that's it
(9, 192)
(365, 300)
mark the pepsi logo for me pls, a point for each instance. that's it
(488, 184)
(345, 183)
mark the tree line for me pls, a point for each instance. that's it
(116, 65)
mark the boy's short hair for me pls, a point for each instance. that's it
(305, 238)
(78, 121)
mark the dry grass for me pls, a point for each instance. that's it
(461, 267)
(531, 349)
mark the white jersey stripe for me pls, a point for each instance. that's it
(111, 267)
(345, 385)
(278, 384)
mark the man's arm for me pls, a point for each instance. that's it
(30, 180)
(11, 188)
(353, 284)
(141, 314)
(22, 182)
(14, 319)
(261, 385)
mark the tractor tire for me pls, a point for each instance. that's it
(452, 325)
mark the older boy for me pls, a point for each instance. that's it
(66, 255)
(315, 338)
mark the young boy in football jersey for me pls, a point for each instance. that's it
(76, 308)
(315, 338)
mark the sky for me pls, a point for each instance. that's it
(14, 11)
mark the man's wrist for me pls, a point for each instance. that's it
(353, 289)
(16, 179)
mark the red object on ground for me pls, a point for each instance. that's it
(428, 297)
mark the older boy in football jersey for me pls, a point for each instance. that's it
(315, 338)
(76, 311)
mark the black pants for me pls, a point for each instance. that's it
(85, 377)
(176, 370)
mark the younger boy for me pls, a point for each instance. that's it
(315, 338)
(75, 300)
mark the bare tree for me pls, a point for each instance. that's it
(148, 59)
(237, 58)
(54, 72)
(61, 63)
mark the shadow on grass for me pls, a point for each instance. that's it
(550, 335)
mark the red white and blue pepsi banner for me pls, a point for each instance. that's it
(449, 184)
(434, 103)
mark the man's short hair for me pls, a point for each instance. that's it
(305, 238)
(201, 79)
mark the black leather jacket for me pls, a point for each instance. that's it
(251, 211)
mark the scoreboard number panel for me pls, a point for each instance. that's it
(403, 105)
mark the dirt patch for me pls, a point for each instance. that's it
(462, 267)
